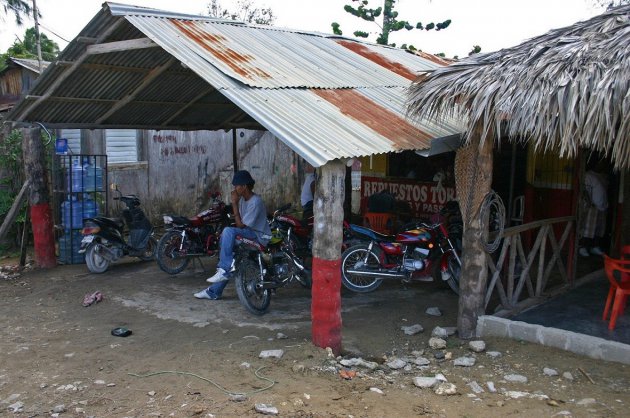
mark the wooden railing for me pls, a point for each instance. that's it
(517, 270)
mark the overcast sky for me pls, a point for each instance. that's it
(491, 24)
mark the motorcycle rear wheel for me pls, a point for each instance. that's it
(255, 300)
(95, 263)
(150, 250)
(168, 256)
(353, 257)
(453, 270)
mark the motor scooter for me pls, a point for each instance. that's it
(104, 239)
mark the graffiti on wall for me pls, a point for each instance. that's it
(169, 146)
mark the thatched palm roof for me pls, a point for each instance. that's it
(563, 90)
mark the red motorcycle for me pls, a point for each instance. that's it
(301, 237)
(421, 252)
(198, 236)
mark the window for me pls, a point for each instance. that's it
(121, 145)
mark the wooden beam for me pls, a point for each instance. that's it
(15, 209)
(120, 46)
(152, 75)
(68, 72)
(188, 105)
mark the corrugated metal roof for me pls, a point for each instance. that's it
(29, 64)
(326, 97)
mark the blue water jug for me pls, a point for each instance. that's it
(75, 177)
(92, 178)
(69, 246)
(73, 212)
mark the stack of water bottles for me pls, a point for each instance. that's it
(82, 178)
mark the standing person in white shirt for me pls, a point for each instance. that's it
(308, 191)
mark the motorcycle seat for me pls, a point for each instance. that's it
(181, 220)
(251, 243)
(370, 233)
(112, 222)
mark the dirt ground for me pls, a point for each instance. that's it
(189, 357)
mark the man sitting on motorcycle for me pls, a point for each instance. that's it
(250, 217)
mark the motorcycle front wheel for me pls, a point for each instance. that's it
(255, 300)
(169, 257)
(354, 257)
(95, 263)
(149, 252)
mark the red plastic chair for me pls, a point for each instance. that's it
(380, 222)
(618, 273)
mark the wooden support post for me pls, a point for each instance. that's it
(473, 171)
(38, 198)
(15, 210)
(328, 236)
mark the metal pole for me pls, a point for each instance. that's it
(234, 151)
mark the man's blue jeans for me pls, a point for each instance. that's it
(226, 256)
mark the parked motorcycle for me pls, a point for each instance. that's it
(260, 270)
(104, 239)
(421, 252)
(302, 232)
(198, 236)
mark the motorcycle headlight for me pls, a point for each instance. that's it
(168, 219)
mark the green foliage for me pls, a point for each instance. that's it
(475, 50)
(245, 11)
(27, 48)
(390, 20)
(19, 8)
(10, 163)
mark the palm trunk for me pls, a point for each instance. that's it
(473, 175)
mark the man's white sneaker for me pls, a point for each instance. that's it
(219, 276)
(583, 252)
(597, 251)
(202, 295)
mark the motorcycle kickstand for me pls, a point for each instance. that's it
(198, 260)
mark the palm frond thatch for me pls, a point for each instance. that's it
(563, 90)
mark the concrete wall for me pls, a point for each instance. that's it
(181, 168)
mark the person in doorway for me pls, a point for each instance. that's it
(595, 207)
(250, 217)
(308, 191)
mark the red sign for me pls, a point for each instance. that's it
(424, 198)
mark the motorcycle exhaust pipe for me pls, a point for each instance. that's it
(106, 253)
(378, 274)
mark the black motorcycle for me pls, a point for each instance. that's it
(104, 239)
(260, 270)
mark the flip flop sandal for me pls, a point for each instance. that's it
(121, 332)
(92, 298)
(98, 296)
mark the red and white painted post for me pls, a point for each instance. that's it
(328, 237)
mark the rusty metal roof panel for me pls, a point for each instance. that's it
(323, 124)
(269, 57)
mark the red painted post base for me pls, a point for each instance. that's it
(43, 238)
(326, 304)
